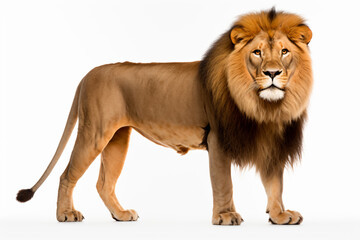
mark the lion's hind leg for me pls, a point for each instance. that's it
(89, 143)
(112, 162)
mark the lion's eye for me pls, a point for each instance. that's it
(257, 52)
(284, 51)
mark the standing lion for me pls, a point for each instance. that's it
(245, 103)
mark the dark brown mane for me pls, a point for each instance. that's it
(272, 14)
(267, 145)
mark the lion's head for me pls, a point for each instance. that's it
(265, 59)
(258, 78)
(270, 63)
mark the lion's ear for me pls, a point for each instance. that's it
(238, 34)
(301, 33)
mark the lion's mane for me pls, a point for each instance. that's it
(250, 130)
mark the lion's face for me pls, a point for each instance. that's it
(270, 63)
(269, 68)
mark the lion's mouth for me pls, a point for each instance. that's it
(272, 93)
(271, 87)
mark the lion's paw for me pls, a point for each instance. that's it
(286, 217)
(126, 215)
(70, 216)
(229, 218)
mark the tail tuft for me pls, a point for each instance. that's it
(25, 195)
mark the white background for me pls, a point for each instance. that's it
(48, 46)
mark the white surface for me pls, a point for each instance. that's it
(176, 229)
(48, 46)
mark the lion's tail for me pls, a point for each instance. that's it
(26, 194)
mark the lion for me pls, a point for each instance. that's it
(245, 103)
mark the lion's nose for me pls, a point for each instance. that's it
(272, 74)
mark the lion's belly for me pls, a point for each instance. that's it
(180, 138)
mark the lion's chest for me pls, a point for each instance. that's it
(181, 138)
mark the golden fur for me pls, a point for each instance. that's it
(245, 102)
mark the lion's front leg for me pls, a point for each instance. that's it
(277, 214)
(224, 212)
